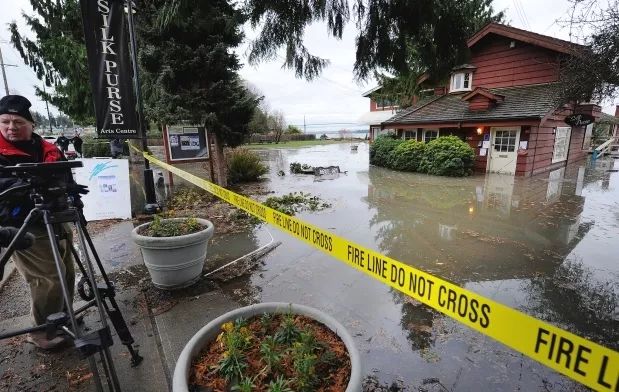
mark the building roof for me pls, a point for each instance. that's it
(524, 102)
(369, 92)
(530, 37)
(483, 92)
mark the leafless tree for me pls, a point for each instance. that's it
(277, 124)
(592, 74)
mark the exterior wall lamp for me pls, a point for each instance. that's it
(480, 130)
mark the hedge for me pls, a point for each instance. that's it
(100, 149)
(382, 149)
(444, 156)
(448, 156)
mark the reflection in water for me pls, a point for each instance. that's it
(504, 237)
(417, 320)
(495, 228)
(485, 227)
(572, 297)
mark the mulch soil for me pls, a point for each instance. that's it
(333, 376)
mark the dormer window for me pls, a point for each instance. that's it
(461, 81)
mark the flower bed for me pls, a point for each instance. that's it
(273, 352)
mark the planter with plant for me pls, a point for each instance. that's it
(270, 347)
(174, 249)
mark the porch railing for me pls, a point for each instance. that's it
(605, 147)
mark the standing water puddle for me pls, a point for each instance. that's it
(545, 245)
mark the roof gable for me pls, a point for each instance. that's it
(544, 41)
(480, 91)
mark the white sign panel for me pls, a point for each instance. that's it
(108, 182)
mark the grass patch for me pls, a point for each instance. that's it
(297, 143)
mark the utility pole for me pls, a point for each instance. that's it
(6, 84)
(304, 129)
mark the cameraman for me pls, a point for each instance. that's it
(18, 144)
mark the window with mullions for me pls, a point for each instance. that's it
(505, 141)
(461, 81)
(407, 135)
(429, 135)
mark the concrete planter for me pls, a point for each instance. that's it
(174, 262)
(180, 382)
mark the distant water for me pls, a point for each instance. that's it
(346, 135)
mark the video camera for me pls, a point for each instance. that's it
(48, 184)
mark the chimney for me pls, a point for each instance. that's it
(617, 111)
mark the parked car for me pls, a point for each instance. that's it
(50, 138)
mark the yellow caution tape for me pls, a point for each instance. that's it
(587, 362)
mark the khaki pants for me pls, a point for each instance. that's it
(37, 266)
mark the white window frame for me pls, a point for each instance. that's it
(454, 78)
(438, 133)
(562, 144)
(413, 131)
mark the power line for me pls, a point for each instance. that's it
(524, 14)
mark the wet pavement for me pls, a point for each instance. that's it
(545, 245)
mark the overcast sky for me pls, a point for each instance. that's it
(334, 98)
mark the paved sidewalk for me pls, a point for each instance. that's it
(161, 323)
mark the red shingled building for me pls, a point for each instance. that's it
(504, 103)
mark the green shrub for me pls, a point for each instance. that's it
(244, 165)
(96, 149)
(382, 149)
(447, 156)
(407, 156)
(100, 148)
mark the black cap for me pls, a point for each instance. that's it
(16, 104)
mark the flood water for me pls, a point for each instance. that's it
(546, 245)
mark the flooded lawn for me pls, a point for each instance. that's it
(546, 245)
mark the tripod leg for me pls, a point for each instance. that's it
(113, 310)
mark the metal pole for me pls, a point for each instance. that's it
(6, 84)
(151, 206)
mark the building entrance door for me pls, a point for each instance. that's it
(504, 150)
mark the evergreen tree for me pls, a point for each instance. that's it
(190, 71)
(57, 54)
(393, 36)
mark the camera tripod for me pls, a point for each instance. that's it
(53, 208)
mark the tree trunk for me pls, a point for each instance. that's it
(219, 160)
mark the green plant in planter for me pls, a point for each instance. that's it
(247, 384)
(161, 227)
(270, 354)
(274, 352)
(279, 385)
(287, 331)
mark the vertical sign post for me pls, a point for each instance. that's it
(149, 183)
(112, 63)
